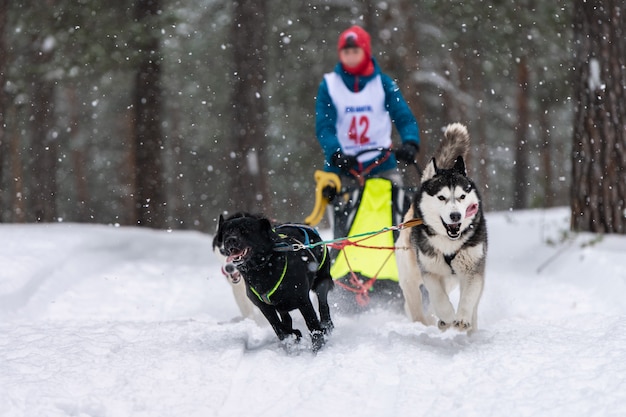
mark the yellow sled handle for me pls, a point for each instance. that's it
(322, 180)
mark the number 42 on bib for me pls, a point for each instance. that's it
(358, 130)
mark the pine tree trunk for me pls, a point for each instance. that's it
(79, 160)
(598, 194)
(250, 191)
(404, 67)
(3, 108)
(546, 157)
(45, 144)
(521, 168)
(16, 162)
(150, 194)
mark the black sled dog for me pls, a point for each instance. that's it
(449, 249)
(279, 272)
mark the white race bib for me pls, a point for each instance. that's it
(362, 119)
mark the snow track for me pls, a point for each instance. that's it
(102, 321)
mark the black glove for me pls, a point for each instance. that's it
(407, 152)
(329, 193)
(343, 162)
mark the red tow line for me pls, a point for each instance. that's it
(355, 284)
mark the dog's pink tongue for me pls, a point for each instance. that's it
(471, 210)
(234, 256)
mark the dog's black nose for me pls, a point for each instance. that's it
(455, 216)
(229, 268)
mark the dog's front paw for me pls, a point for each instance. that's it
(327, 327)
(317, 341)
(291, 343)
(462, 325)
(294, 334)
(443, 326)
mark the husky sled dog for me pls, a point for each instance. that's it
(450, 246)
(247, 309)
(278, 275)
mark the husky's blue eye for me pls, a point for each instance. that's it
(441, 198)
(462, 197)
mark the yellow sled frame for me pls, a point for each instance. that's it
(322, 180)
(374, 213)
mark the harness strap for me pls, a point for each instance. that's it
(360, 288)
(411, 223)
(304, 229)
(285, 247)
(266, 297)
(361, 174)
(341, 242)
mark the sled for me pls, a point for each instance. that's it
(364, 263)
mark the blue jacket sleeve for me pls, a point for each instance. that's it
(325, 120)
(400, 112)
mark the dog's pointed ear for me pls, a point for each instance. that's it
(430, 171)
(220, 222)
(459, 166)
(265, 225)
(217, 239)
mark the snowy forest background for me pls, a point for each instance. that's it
(168, 112)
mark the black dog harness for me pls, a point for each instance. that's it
(286, 247)
(266, 297)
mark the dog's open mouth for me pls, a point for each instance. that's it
(453, 230)
(237, 257)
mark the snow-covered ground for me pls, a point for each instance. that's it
(104, 321)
